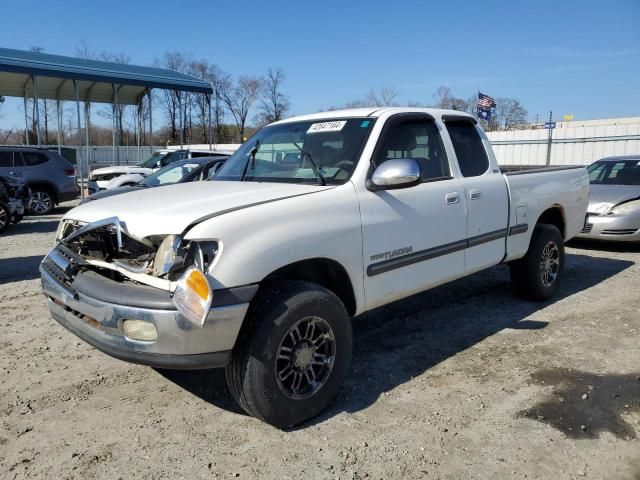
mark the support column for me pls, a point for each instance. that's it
(26, 120)
(59, 118)
(87, 132)
(150, 122)
(116, 132)
(209, 107)
(37, 109)
(179, 94)
(79, 151)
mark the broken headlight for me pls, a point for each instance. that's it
(175, 255)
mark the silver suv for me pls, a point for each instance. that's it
(50, 178)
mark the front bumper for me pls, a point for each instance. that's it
(614, 228)
(96, 315)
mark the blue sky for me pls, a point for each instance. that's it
(579, 57)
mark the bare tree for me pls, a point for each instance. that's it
(241, 98)
(274, 104)
(508, 114)
(385, 97)
(221, 83)
(443, 97)
(169, 99)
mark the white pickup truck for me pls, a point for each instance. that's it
(314, 220)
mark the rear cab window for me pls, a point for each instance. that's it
(470, 151)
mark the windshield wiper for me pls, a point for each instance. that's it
(251, 160)
(316, 170)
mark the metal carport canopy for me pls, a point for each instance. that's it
(95, 78)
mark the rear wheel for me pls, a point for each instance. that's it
(5, 217)
(537, 275)
(41, 201)
(292, 355)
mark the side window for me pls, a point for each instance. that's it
(469, 149)
(6, 159)
(596, 172)
(420, 140)
(33, 158)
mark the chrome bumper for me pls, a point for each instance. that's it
(614, 228)
(180, 343)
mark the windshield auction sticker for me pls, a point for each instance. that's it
(327, 127)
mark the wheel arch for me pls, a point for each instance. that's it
(325, 272)
(555, 216)
(44, 185)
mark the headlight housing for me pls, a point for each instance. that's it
(626, 208)
(166, 255)
(175, 255)
(192, 296)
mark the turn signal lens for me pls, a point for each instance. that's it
(139, 330)
(193, 296)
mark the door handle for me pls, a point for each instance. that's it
(475, 194)
(452, 198)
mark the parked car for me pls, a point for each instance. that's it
(614, 202)
(182, 171)
(127, 175)
(49, 177)
(314, 220)
(13, 195)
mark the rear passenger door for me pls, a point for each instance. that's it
(486, 193)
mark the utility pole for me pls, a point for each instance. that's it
(549, 139)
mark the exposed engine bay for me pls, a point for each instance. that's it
(107, 248)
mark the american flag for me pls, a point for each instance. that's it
(485, 102)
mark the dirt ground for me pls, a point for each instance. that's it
(462, 382)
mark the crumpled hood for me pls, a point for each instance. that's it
(172, 208)
(122, 169)
(603, 197)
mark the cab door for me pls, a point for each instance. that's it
(485, 190)
(413, 238)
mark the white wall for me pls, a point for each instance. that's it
(574, 143)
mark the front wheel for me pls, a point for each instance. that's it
(292, 355)
(537, 275)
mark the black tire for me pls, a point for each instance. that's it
(5, 217)
(538, 274)
(41, 201)
(257, 357)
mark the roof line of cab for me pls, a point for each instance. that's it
(372, 112)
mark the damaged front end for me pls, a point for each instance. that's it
(107, 245)
(143, 300)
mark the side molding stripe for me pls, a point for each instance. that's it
(430, 253)
(516, 229)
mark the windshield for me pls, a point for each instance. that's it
(623, 172)
(314, 152)
(172, 173)
(152, 161)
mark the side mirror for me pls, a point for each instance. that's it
(395, 173)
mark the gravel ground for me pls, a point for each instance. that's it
(461, 382)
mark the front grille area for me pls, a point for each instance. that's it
(623, 231)
(588, 227)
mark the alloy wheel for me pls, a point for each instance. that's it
(549, 264)
(305, 358)
(40, 202)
